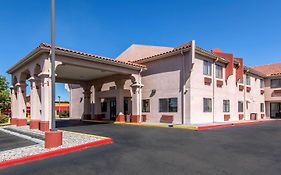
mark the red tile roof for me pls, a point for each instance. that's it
(269, 69)
(92, 55)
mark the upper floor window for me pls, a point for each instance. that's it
(275, 83)
(145, 105)
(207, 104)
(248, 80)
(218, 71)
(240, 106)
(207, 68)
(226, 106)
(168, 105)
(261, 83)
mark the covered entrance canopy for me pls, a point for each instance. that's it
(90, 71)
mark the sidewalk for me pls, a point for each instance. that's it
(200, 127)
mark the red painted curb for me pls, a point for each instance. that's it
(214, 126)
(232, 124)
(54, 153)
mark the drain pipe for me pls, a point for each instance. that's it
(183, 89)
(213, 76)
(244, 83)
(140, 95)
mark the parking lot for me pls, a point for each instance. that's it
(251, 149)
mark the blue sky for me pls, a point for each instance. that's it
(250, 29)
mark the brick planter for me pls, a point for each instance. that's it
(53, 139)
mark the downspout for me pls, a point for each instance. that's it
(183, 88)
(244, 84)
(213, 75)
(140, 95)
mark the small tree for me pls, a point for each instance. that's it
(5, 101)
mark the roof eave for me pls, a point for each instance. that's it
(25, 59)
(210, 55)
(163, 55)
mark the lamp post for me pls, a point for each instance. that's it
(53, 78)
(53, 138)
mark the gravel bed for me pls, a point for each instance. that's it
(69, 139)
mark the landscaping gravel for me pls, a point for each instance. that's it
(70, 139)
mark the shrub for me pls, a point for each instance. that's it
(4, 118)
(64, 114)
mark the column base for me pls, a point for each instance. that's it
(135, 118)
(120, 118)
(21, 122)
(34, 124)
(44, 126)
(53, 139)
(13, 121)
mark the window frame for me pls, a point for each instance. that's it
(242, 107)
(278, 85)
(169, 107)
(261, 83)
(143, 107)
(219, 76)
(261, 107)
(248, 80)
(207, 101)
(208, 70)
(226, 105)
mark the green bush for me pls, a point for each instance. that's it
(4, 118)
(64, 114)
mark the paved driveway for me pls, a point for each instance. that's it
(252, 149)
(8, 141)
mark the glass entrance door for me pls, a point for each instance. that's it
(275, 110)
(112, 105)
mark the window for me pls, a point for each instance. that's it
(226, 106)
(207, 68)
(218, 71)
(248, 80)
(276, 83)
(168, 105)
(145, 105)
(240, 106)
(103, 107)
(207, 104)
(262, 107)
(261, 83)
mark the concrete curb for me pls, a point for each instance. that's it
(54, 153)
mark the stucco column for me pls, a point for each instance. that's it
(46, 105)
(35, 104)
(120, 96)
(87, 102)
(21, 105)
(97, 99)
(14, 107)
(136, 100)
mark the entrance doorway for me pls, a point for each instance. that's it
(112, 109)
(275, 110)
